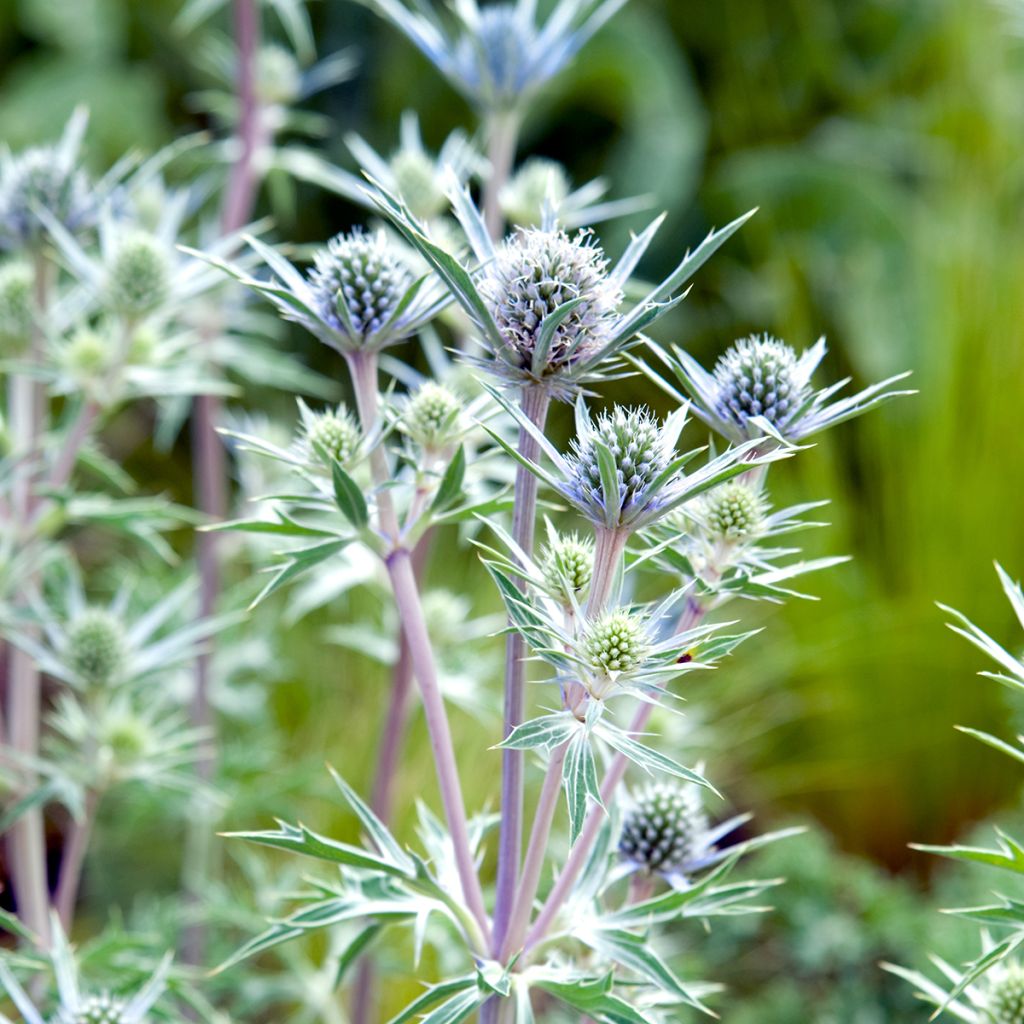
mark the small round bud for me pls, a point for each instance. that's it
(143, 345)
(538, 181)
(1005, 998)
(637, 444)
(101, 1009)
(138, 275)
(567, 564)
(127, 737)
(279, 80)
(96, 647)
(734, 511)
(533, 274)
(432, 416)
(334, 436)
(616, 643)
(85, 356)
(664, 830)
(17, 308)
(358, 282)
(758, 377)
(417, 183)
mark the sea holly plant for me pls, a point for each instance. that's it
(967, 994)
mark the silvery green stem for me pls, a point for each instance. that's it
(577, 858)
(534, 403)
(608, 548)
(363, 366)
(27, 842)
(502, 134)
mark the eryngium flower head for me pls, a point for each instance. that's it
(279, 78)
(334, 435)
(760, 376)
(734, 511)
(641, 449)
(666, 828)
(17, 308)
(358, 282)
(96, 646)
(536, 182)
(614, 644)
(101, 1009)
(416, 180)
(47, 178)
(431, 418)
(138, 275)
(567, 565)
(534, 274)
(1005, 997)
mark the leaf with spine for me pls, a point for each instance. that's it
(349, 497)
(545, 732)
(450, 489)
(299, 562)
(579, 776)
(1001, 951)
(595, 998)
(646, 757)
(546, 335)
(993, 741)
(1009, 856)
(377, 831)
(275, 935)
(435, 994)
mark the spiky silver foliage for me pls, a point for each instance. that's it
(1005, 998)
(534, 275)
(138, 275)
(17, 308)
(567, 564)
(96, 646)
(734, 511)
(665, 830)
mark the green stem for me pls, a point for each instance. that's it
(502, 135)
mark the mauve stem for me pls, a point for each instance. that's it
(73, 860)
(502, 135)
(534, 403)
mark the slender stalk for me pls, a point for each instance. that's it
(27, 842)
(608, 548)
(363, 366)
(73, 860)
(502, 135)
(534, 403)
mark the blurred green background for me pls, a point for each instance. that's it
(884, 145)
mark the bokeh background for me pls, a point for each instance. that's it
(884, 145)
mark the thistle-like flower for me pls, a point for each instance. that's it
(1005, 998)
(432, 417)
(761, 386)
(333, 435)
(17, 308)
(96, 646)
(735, 511)
(499, 53)
(567, 564)
(138, 275)
(616, 644)
(47, 178)
(552, 302)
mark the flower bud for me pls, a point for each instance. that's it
(1005, 997)
(537, 181)
(534, 273)
(17, 308)
(758, 376)
(127, 736)
(334, 436)
(417, 183)
(86, 355)
(567, 564)
(734, 511)
(39, 178)
(432, 416)
(616, 643)
(362, 276)
(665, 828)
(279, 80)
(96, 647)
(101, 1009)
(137, 281)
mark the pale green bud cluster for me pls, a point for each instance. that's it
(665, 828)
(17, 308)
(1005, 998)
(432, 416)
(616, 643)
(127, 737)
(86, 354)
(96, 646)
(567, 564)
(417, 183)
(334, 435)
(101, 1009)
(734, 511)
(537, 181)
(138, 276)
(279, 78)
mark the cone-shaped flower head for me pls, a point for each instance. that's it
(734, 511)
(358, 282)
(101, 1009)
(1005, 997)
(16, 308)
(665, 828)
(760, 376)
(537, 181)
(334, 435)
(96, 648)
(567, 564)
(138, 276)
(614, 644)
(432, 416)
(535, 273)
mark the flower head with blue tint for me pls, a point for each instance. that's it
(497, 54)
(760, 386)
